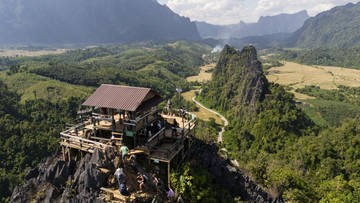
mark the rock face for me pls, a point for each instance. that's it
(282, 23)
(43, 22)
(227, 175)
(59, 181)
(238, 81)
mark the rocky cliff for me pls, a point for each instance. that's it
(227, 174)
(90, 22)
(80, 180)
(55, 180)
(238, 81)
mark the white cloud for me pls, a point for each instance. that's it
(233, 11)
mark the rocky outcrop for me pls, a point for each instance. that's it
(55, 180)
(238, 82)
(227, 175)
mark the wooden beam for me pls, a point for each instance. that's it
(169, 174)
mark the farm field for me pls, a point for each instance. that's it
(15, 52)
(297, 75)
(203, 75)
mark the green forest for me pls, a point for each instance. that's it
(340, 57)
(29, 132)
(41, 95)
(278, 144)
(306, 153)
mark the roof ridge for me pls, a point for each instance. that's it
(134, 87)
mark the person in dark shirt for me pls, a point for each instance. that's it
(123, 189)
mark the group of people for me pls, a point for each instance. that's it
(143, 184)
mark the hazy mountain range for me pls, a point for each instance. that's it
(90, 21)
(282, 23)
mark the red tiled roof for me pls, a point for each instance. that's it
(119, 97)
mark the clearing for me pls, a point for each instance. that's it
(203, 113)
(297, 75)
(16, 53)
(203, 75)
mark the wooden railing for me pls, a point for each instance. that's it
(83, 144)
(157, 136)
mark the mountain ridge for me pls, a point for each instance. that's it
(282, 23)
(337, 27)
(87, 22)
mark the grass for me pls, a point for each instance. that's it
(203, 75)
(322, 112)
(28, 85)
(296, 76)
(202, 113)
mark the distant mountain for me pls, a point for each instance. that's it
(338, 27)
(283, 23)
(90, 21)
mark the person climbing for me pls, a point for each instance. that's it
(119, 174)
(124, 150)
(156, 182)
(141, 179)
(123, 189)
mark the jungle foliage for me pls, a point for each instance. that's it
(282, 148)
(340, 57)
(29, 132)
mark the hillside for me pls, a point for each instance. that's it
(266, 25)
(77, 72)
(338, 27)
(62, 22)
(276, 143)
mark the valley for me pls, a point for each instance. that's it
(296, 76)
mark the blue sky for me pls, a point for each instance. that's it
(233, 11)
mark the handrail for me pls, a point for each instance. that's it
(156, 135)
(144, 116)
(81, 141)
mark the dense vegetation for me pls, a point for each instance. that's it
(159, 66)
(332, 107)
(196, 185)
(337, 27)
(348, 58)
(28, 133)
(37, 94)
(281, 147)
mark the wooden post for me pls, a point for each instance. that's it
(64, 153)
(169, 174)
(113, 124)
(69, 153)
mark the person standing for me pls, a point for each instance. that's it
(169, 107)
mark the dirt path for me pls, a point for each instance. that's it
(226, 122)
